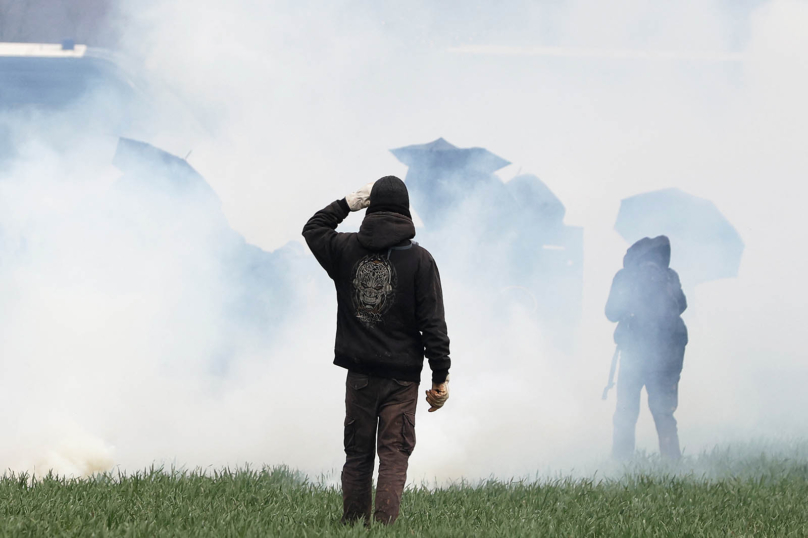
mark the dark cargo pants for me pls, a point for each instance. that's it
(378, 412)
(663, 399)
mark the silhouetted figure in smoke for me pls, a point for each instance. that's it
(389, 316)
(512, 234)
(647, 300)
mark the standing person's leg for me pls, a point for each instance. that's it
(361, 399)
(396, 442)
(663, 399)
(629, 387)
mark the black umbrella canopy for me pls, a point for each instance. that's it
(442, 154)
(534, 199)
(704, 244)
(442, 176)
(145, 163)
(261, 284)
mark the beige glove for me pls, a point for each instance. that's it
(360, 199)
(438, 395)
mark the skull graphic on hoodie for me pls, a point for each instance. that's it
(374, 288)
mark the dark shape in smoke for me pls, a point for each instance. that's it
(536, 200)
(519, 246)
(442, 153)
(51, 77)
(705, 244)
(141, 160)
(441, 175)
(59, 94)
(79, 91)
(547, 255)
(260, 291)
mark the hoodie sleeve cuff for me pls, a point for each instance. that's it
(343, 204)
(439, 376)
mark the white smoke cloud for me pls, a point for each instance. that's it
(300, 103)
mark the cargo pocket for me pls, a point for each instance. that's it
(408, 433)
(401, 383)
(350, 434)
(357, 381)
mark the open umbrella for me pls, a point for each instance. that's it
(704, 244)
(442, 154)
(142, 162)
(179, 203)
(441, 176)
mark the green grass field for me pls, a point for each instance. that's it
(718, 494)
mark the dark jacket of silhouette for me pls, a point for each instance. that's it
(646, 300)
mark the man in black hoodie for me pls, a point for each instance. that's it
(647, 300)
(389, 317)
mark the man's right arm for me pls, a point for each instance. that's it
(431, 319)
(320, 232)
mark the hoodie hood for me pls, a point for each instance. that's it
(657, 250)
(384, 229)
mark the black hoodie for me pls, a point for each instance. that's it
(646, 254)
(389, 299)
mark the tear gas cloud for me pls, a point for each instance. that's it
(121, 344)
